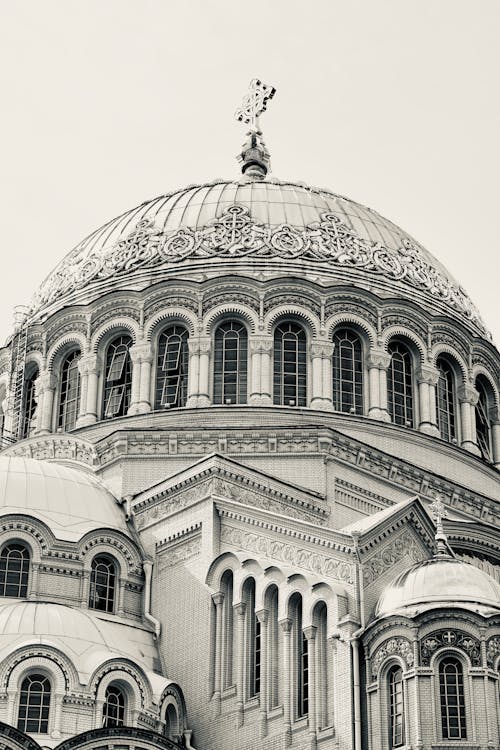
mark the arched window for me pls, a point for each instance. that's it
(452, 699)
(321, 662)
(118, 378)
(400, 385)
(172, 368)
(483, 409)
(396, 707)
(69, 399)
(290, 365)
(113, 710)
(172, 729)
(34, 704)
(230, 364)
(227, 632)
(347, 372)
(445, 400)
(14, 570)
(300, 659)
(273, 647)
(29, 405)
(253, 640)
(102, 584)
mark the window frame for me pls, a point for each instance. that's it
(116, 722)
(451, 399)
(440, 659)
(25, 563)
(29, 397)
(44, 723)
(411, 387)
(183, 367)
(61, 411)
(110, 599)
(358, 398)
(482, 414)
(391, 715)
(302, 367)
(242, 364)
(113, 387)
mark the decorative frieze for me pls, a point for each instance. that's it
(276, 549)
(446, 638)
(404, 545)
(183, 550)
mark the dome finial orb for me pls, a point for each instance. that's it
(255, 158)
(439, 512)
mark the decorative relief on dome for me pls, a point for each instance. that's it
(234, 235)
(275, 549)
(445, 638)
(394, 647)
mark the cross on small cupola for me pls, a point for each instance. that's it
(255, 158)
(439, 512)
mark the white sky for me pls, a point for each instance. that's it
(393, 103)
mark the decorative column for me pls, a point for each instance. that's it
(330, 714)
(45, 388)
(263, 617)
(495, 441)
(260, 370)
(378, 362)
(89, 366)
(239, 611)
(427, 378)
(468, 397)
(218, 599)
(417, 713)
(35, 570)
(56, 727)
(121, 596)
(141, 355)
(321, 355)
(85, 588)
(286, 626)
(198, 379)
(310, 634)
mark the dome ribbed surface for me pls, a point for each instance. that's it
(441, 580)
(69, 501)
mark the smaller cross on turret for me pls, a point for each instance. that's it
(439, 512)
(254, 157)
(255, 103)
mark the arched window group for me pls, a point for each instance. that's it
(259, 667)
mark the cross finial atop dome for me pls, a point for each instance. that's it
(439, 512)
(255, 158)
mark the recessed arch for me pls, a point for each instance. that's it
(439, 349)
(348, 320)
(168, 316)
(409, 337)
(230, 311)
(295, 313)
(64, 346)
(105, 333)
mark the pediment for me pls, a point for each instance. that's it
(220, 477)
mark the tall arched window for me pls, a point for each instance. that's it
(69, 399)
(445, 400)
(273, 647)
(400, 385)
(347, 372)
(253, 640)
(300, 660)
(483, 409)
(290, 365)
(102, 584)
(227, 632)
(118, 377)
(113, 710)
(452, 699)
(172, 726)
(172, 368)
(29, 405)
(14, 570)
(230, 363)
(321, 662)
(34, 704)
(396, 707)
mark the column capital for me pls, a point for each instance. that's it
(199, 344)
(286, 625)
(260, 344)
(240, 608)
(142, 351)
(46, 381)
(322, 349)
(310, 632)
(427, 374)
(467, 394)
(262, 616)
(218, 598)
(89, 363)
(378, 358)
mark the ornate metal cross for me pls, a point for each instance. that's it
(439, 512)
(255, 103)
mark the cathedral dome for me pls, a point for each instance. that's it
(71, 502)
(440, 581)
(249, 226)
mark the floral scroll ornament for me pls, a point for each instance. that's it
(394, 647)
(456, 638)
(234, 234)
(493, 651)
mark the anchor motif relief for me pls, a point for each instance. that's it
(236, 234)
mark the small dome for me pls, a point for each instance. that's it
(442, 581)
(273, 225)
(71, 502)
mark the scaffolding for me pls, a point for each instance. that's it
(15, 402)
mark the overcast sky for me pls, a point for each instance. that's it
(393, 103)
